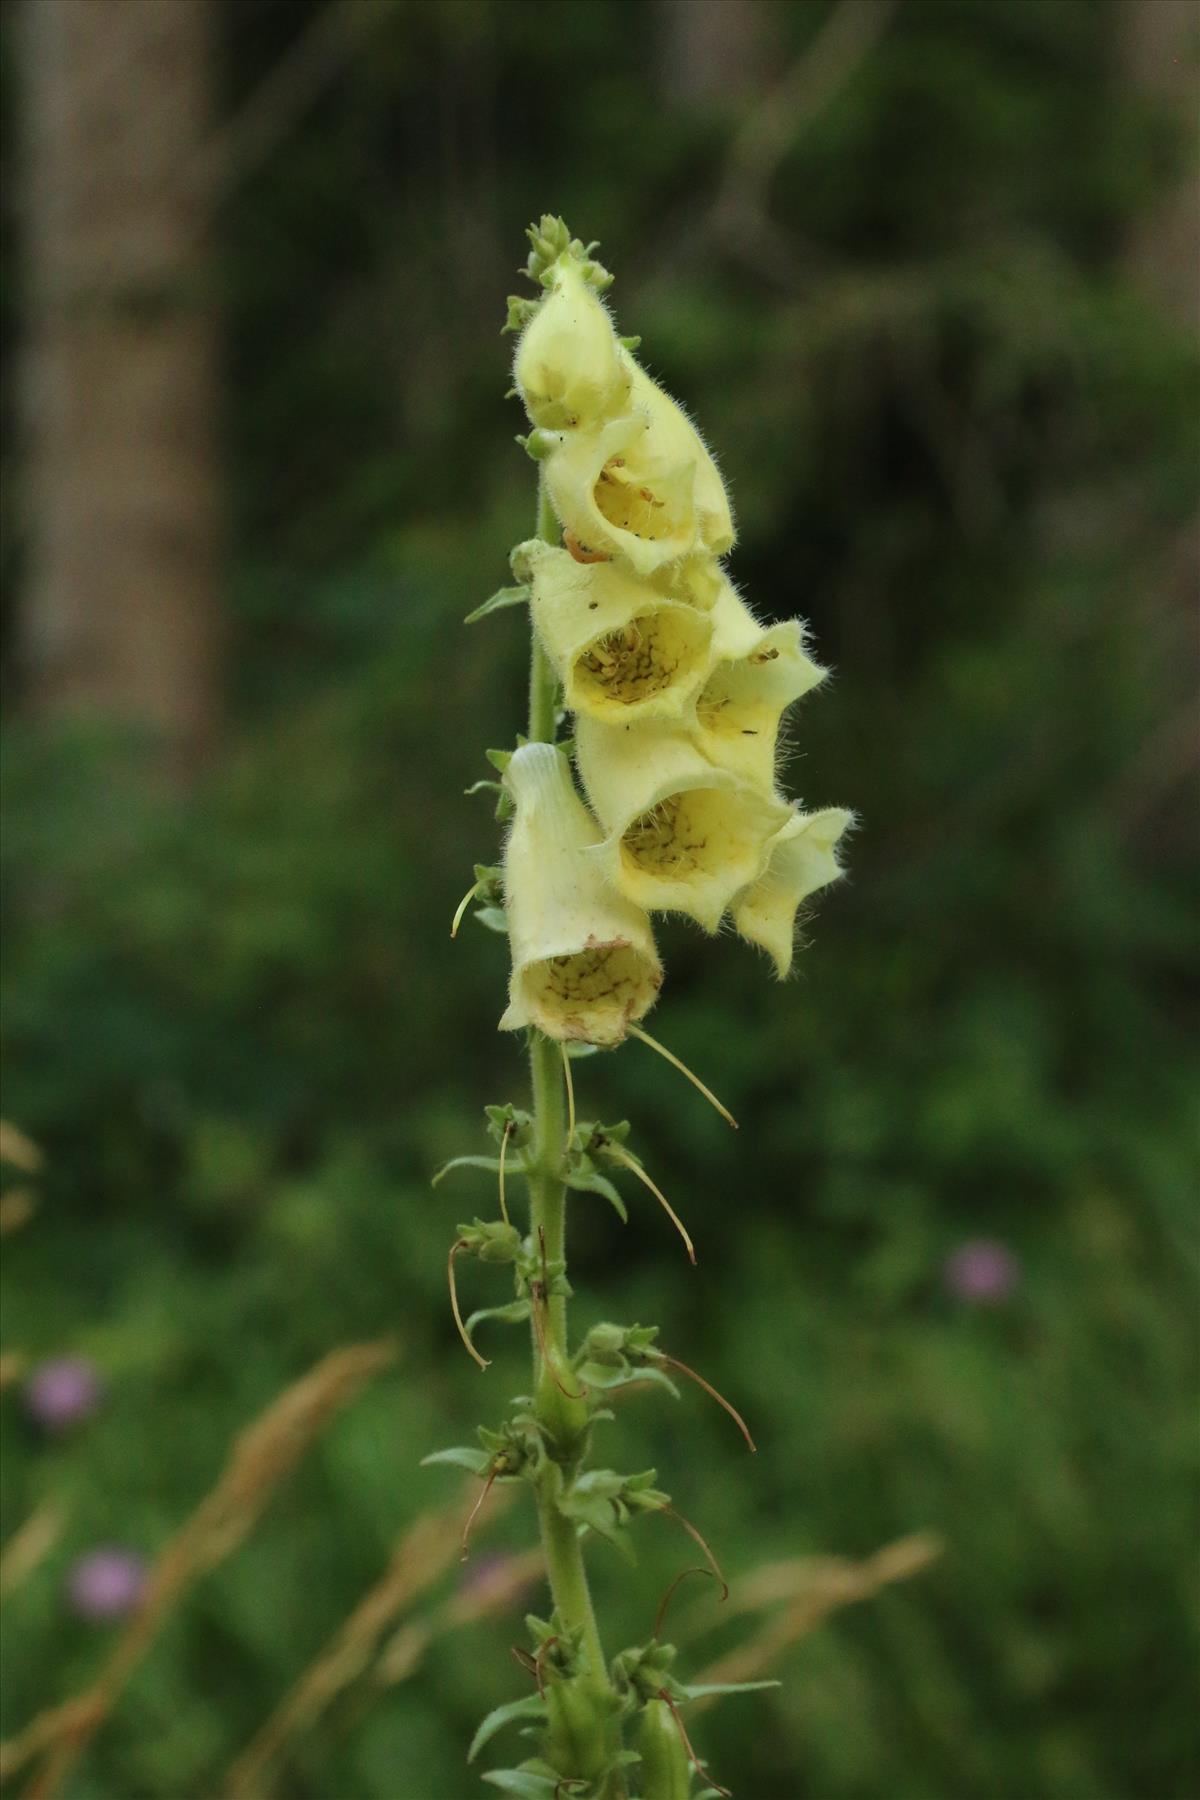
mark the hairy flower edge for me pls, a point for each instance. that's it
(802, 859)
(584, 965)
(682, 834)
(621, 648)
(739, 708)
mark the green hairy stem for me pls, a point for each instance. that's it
(548, 1218)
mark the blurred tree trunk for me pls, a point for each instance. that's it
(120, 377)
(1159, 44)
(714, 49)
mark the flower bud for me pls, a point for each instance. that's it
(584, 965)
(683, 835)
(760, 674)
(801, 861)
(621, 648)
(568, 367)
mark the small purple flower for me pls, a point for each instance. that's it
(106, 1583)
(981, 1272)
(63, 1392)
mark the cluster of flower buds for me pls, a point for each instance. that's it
(678, 691)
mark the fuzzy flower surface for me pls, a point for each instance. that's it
(802, 859)
(681, 835)
(584, 966)
(569, 368)
(622, 648)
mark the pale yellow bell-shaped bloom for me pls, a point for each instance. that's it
(682, 835)
(802, 860)
(698, 579)
(569, 368)
(641, 487)
(621, 648)
(760, 674)
(584, 966)
(617, 498)
(676, 440)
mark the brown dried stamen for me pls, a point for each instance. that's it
(644, 658)
(630, 505)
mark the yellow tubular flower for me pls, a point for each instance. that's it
(584, 966)
(802, 860)
(740, 706)
(683, 836)
(621, 649)
(676, 440)
(618, 498)
(568, 368)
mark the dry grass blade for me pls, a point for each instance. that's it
(29, 1544)
(261, 1457)
(812, 1588)
(17, 1149)
(16, 1209)
(427, 1550)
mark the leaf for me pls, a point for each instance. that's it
(460, 1456)
(502, 598)
(590, 1181)
(494, 917)
(529, 1706)
(700, 1690)
(490, 1163)
(512, 1314)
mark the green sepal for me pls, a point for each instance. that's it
(491, 1240)
(642, 1672)
(513, 1314)
(630, 343)
(531, 1268)
(530, 1706)
(538, 444)
(499, 759)
(502, 599)
(514, 1453)
(511, 1120)
(549, 240)
(460, 1456)
(603, 1378)
(520, 311)
(494, 918)
(605, 1502)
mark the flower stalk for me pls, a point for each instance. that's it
(677, 694)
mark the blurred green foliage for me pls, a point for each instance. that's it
(964, 448)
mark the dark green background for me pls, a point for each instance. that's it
(960, 441)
